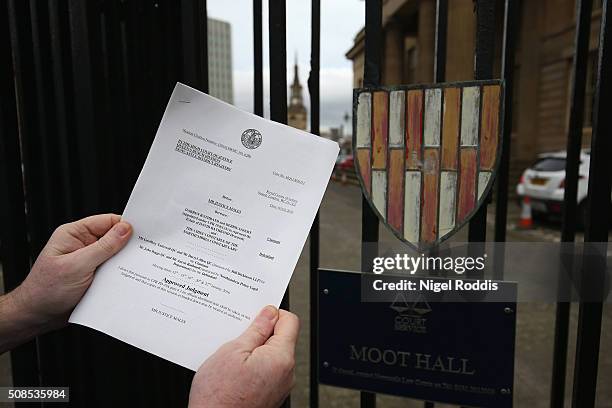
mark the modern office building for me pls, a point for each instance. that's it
(220, 60)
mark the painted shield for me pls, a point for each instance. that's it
(426, 156)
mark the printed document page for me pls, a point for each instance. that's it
(221, 212)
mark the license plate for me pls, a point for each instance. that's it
(538, 181)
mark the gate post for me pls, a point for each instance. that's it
(598, 222)
(14, 249)
(568, 231)
(371, 77)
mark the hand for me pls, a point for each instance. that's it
(256, 370)
(65, 267)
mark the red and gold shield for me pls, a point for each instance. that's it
(426, 156)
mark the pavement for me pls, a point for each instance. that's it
(340, 248)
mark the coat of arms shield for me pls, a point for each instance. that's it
(426, 156)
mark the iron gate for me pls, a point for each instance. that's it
(82, 92)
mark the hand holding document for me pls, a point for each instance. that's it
(220, 211)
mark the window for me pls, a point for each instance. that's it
(549, 164)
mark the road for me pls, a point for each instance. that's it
(340, 248)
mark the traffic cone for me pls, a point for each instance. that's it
(526, 222)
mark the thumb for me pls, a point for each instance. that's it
(260, 329)
(93, 255)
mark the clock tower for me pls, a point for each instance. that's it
(296, 112)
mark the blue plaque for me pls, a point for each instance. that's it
(451, 352)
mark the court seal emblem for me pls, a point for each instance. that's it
(251, 138)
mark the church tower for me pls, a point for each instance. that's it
(296, 112)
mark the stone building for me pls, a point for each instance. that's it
(296, 112)
(542, 67)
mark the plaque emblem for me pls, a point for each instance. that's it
(251, 138)
(410, 317)
(426, 156)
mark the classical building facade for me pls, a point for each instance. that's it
(542, 68)
(296, 111)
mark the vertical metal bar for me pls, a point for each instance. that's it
(485, 39)
(116, 104)
(203, 23)
(22, 61)
(313, 89)
(192, 63)
(597, 225)
(257, 59)
(278, 72)
(511, 23)
(373, 43)
(87, 88)
(14, 249)
(439, 75)
(107, 103)
(440, 40)
(483, 69)
(84, 105)
(576, 113)
(278, 61)
(371, 78)
(48, 53)
(43, 128)
(278, 80)
(60, 105)
(35, 173)
(568, 232)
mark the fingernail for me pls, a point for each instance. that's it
(122, 229)
(269, 312)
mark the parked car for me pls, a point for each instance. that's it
(544, 183)
(347, 163)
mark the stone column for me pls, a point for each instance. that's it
(461, 40)
(425, 41)
(393, 54)
(526, 136)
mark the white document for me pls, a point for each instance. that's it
(221, 212)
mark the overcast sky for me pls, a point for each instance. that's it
(340, 22)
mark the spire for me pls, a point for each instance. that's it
(296, 112)
(296, 78)
(296, 87)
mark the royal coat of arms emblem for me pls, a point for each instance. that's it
(426, 156)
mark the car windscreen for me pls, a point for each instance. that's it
(549, 164)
